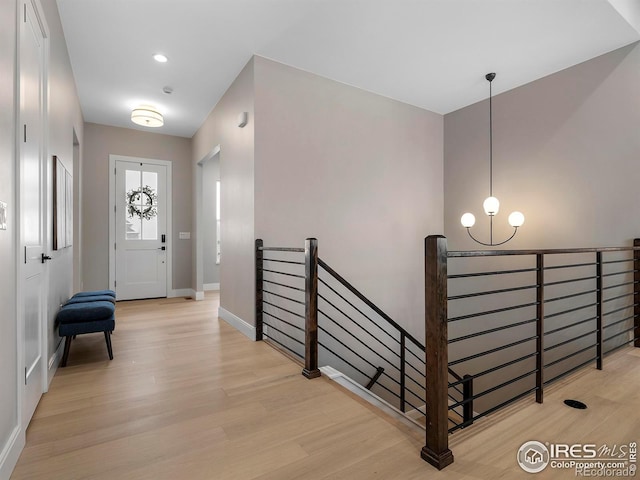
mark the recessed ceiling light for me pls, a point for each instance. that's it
(158, 57)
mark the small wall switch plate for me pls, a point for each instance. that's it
(184, 235)
(3, 216)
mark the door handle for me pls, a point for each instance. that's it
(44, 258)
(162, 248)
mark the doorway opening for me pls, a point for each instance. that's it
(208, 221)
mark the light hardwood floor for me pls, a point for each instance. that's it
(189, 397)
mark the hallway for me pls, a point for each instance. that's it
(189, 397)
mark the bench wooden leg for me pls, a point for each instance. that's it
(107, 337)
(67, 346)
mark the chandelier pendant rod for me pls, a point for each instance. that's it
(490, 77)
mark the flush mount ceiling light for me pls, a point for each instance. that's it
(147, 116)
(491, 204)
(160, 58)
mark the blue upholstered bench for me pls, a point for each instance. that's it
(92, 315)
(93, 293)
(91, 298)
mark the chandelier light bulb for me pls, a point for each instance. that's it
(491, 206)
(468, 220)
(516, 219)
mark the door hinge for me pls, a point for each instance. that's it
(25, 133)
(25, 375)
(115, 283)
(114, 170)
(25, 13)
(115, 246)
(114, 209)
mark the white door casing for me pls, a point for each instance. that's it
(140, 228)
(199, 207)
(32, 271)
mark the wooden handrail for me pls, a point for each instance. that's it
(551, 251)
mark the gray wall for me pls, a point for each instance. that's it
(64, 117)
(99, 142)
(236, 173)
(566, 151)
(360, 172)
(8, 325)
(210, 174)
(331, 161)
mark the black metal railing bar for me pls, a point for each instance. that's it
(360, 327)
(295, 327)
(358, 340)
(284, 285)
(492, 330)
(284, 297)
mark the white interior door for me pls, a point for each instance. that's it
(141, 230)
(32, 198)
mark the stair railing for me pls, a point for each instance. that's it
(307, 309)
(549, 313)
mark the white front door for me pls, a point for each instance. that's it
(32, 237)
(140, 230)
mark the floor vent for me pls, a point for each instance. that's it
(575, 404)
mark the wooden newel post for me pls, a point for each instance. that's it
(636, 292)
(311, 309)
(436, 451)
(259, 264)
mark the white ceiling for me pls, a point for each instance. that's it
(429, 53)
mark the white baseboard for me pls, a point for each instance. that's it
(237, 323)
(54, 361)
(198, 295)
(208, 287)
(354, 387)
(181, 292)
(11, 452)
